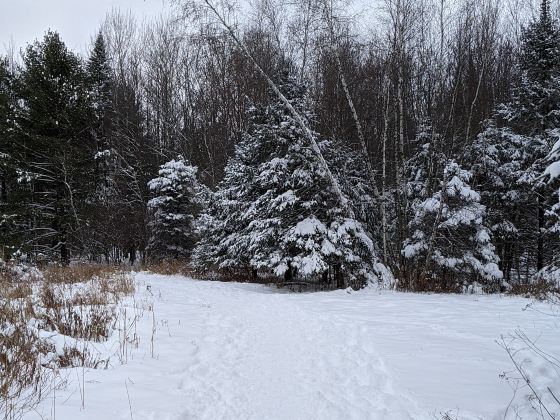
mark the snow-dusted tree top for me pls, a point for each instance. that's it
(172, 180)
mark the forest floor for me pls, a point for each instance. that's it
(213, 350)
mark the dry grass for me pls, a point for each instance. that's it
(23, 379)
(78, 302)
(118, 285)
(11, 290)
(174, 267)
(80, 273)
(77, 317)
(10, 273)
(540, 289)
(171, 267)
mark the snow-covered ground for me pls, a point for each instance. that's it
(240, 351)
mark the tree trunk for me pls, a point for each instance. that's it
(289, 274)
(64, 258)
(338, 276)
(540, 242)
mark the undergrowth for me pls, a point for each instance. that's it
(48, 319)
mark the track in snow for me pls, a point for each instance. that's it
(238, 351)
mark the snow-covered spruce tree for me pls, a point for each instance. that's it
(178, 199)
(551, 272)
(276, 210)
(350, 168)
(423, 170)
(221, 227)
(509, 157)
(449, 246)
(423, 174)
(496, 163)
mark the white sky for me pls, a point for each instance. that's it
(23, 21)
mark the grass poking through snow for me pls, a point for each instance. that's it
(48, 319)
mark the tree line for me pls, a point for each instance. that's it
(292, 145)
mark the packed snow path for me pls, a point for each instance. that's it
(239, 351)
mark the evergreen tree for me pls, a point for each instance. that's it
(509, 157)
(276, 210)
(551, 272)
(223, 243)
(99, 83)
(449, 245)
(103, 204)
(99, 78)
(12, 193)
(135, 162)
(350, 169)
(496, 159)
(423, 175)
(178, 198)
(540, 63)
(125, 159)
(423, 170)
(57, 150)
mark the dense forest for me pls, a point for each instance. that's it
(293, 145)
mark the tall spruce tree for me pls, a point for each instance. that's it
(125, 156)
(551, 272)
(423, 173)
(496, 164)
(55, 144)
(221, 227)
(276, 210)
(509, 157)
(103, 200)
(99, 84)
(12, 193)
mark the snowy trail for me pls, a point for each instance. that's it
(237, 351)
(252, 360)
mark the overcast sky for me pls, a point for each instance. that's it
(23, 21)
